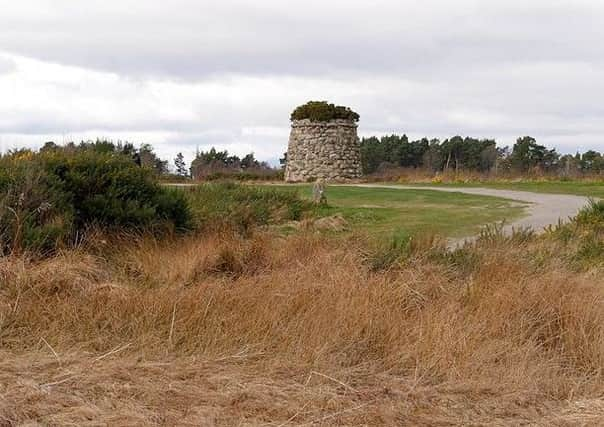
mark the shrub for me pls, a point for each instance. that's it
(321, 111)
(389, 252)
(33, 212)
(495, 234)
(48, 197)
(221, 205)
(593, 214)
(590, 251)
(248, 175)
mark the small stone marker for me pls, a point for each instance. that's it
(318, 192)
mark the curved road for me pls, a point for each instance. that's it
(542, 209)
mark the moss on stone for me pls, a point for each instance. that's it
(322, 111)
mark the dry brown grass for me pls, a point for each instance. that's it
(421, 175)
(299, 331)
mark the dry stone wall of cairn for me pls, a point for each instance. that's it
(327, 150)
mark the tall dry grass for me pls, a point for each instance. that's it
(221, 330)
(423, 175)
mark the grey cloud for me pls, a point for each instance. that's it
(194, 40)
(44, 123)
(435, 68)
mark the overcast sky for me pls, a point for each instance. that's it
(183, 74)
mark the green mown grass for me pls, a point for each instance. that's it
(384, 211)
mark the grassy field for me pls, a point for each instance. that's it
(581, 188)
(386, 211)
(233, 323)
(219, 329)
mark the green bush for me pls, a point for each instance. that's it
(321, 111)
(254, 175)
(389, 252)
(590, 250)
(33, 212)
(50, 197)
(593, 214)
(227, 205)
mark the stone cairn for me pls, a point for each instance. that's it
(328, 150)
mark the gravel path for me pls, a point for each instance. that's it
(541, 209)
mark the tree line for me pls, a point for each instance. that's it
(212, 161)
(525, 157)
(143, 155)
(458, 153)
(206, 164)
(216, 164)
